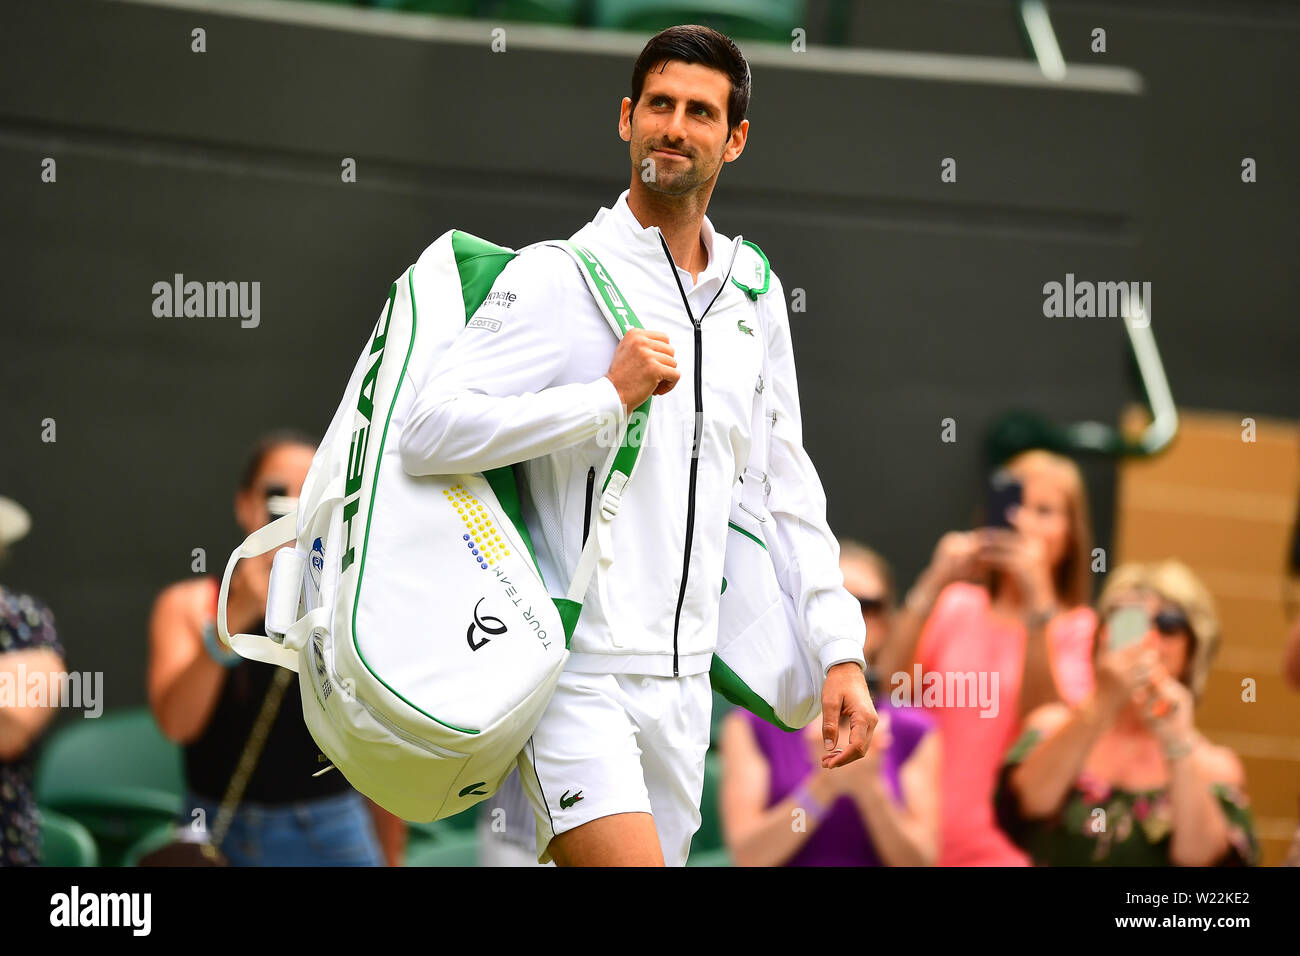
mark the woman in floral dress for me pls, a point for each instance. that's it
(1125, 779)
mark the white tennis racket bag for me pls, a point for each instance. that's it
(412, 609)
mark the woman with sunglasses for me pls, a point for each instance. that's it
(1125, 779)
(208, 699)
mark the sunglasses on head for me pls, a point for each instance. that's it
(872, 605)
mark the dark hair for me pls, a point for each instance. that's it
(267, 444)
(696, 44)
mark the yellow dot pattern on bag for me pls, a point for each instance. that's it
(482, 540)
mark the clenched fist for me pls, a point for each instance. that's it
(643, 365)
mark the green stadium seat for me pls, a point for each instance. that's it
(117, 776)
(464, 821)
(422, 836)
(154, 839)
(65, 842)
(445, 8)
(562, 12)
(460, 850)
(709, 835)
(426, 832)
(718, 857)
(118, 819)
(121, 749)
(751, 19)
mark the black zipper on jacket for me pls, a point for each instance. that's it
(699, 431)
(586, 514)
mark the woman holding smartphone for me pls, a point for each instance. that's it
(1126, 779)
(1008, 606)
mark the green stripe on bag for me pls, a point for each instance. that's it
(621, 309)
(726, 682)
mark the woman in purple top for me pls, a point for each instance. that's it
(780, 808)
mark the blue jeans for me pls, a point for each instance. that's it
(331, 831)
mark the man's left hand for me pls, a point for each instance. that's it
(844, 694)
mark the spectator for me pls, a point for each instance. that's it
(1023, 632)
(206, 697)
(780, 808)
(1126, 779)
(28, 646)
(869, 576)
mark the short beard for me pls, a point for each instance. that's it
(679, 184)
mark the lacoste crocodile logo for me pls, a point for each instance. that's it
(740, 324)
(567, 801)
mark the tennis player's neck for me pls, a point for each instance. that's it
(680, 219)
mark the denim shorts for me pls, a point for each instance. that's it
(330, 831)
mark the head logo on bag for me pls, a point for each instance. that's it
(361, 435)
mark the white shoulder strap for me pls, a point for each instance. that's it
(754, 481)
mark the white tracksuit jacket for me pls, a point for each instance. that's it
(527, 384)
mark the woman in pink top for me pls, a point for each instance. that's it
(997, 625)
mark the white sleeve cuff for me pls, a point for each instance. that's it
(840, 651)
(607, 406)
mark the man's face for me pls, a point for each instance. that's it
(678, 130)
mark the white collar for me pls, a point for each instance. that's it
(622, 218)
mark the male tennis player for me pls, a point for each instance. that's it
(614, 771)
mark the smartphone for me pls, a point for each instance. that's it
(1005, 493)
(1126, 625)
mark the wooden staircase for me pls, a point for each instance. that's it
(1227, 508)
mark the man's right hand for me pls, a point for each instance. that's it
(643, 365)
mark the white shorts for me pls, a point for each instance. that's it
(620, 743)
